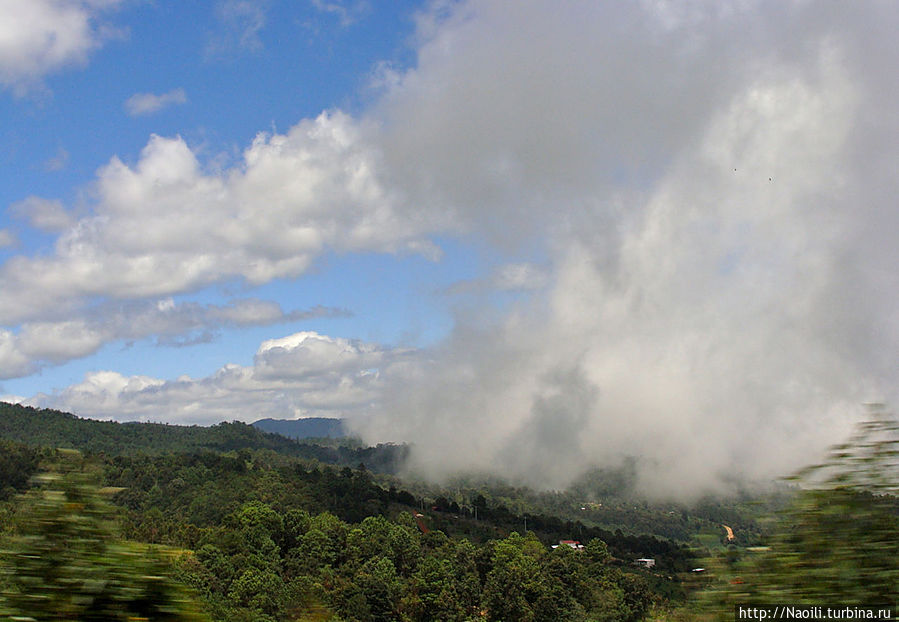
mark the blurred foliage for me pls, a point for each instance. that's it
(838, 542)
(63, 561)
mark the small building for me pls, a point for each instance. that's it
(646, 562)
(577, 546)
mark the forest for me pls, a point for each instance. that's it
(108, 521)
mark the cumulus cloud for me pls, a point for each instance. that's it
(38, 37)
(293, 197)
(308, 354)
(305, 374)
(13, 362)
(40, 343)
(141, 104)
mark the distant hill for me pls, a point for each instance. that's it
(311, 427)
(51, 428)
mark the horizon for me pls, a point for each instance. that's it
(111, 420)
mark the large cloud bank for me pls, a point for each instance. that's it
(714, 182)
(714, 185)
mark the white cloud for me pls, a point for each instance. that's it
(59, 341)
(306, 354)
(38, 37)
(42, 343)
(294, 197)
(44, 214)
(337, 379)
(141, 104)
(107, 393)
(13, 362)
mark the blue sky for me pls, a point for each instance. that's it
(552, 233)
(237, 69)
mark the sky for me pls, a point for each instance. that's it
(526, 237)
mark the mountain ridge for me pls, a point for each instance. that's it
(307, 427)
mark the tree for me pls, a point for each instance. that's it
(513, 584)
(260, 590)
(381, 587)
